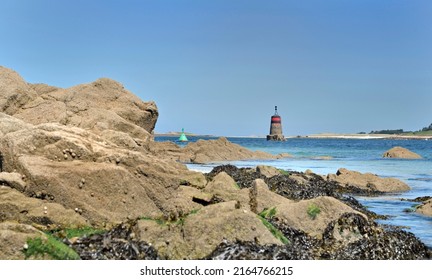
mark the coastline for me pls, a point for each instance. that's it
(367, 136)
(315, 136)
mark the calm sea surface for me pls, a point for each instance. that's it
(363, 155)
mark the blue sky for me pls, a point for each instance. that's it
(220, 67)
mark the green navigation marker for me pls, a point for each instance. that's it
(183, 137)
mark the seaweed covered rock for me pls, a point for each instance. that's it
(247, 250)
(117, 244)
(353, 237)
(291, 185)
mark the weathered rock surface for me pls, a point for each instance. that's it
(97, 178)
(425, 208)
(206, 151)
(400, 152)
(98, 106)
(367, 182)
(198, 234)
(268, 171)
(15, 206)
(293, 185)
(13, 237)
(14, 91)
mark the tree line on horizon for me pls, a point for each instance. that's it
(398, 131)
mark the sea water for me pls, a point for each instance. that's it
(324, 156)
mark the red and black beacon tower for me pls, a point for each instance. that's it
(276, 128)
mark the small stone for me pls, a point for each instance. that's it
(117, 160)
(92, 194)
(45, 208)
(124, 200)
(73, 240)
(65, 156)
(83, 180)
(25, 246)
(45, 212)
(23, 177)
(73, 155)
(76, 209)
(125, 192)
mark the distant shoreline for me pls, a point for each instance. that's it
(367, 136)
(319, 136)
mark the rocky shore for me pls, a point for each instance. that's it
(82, 178)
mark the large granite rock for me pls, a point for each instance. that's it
(207, 151)
(82, 171)
(367, 182)
(198, 234)
(98, 106)
(400, 152)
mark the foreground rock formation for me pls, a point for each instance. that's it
(400, 152)
(89, 174)
(103, 106)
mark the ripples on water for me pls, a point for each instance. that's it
(360, 155)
